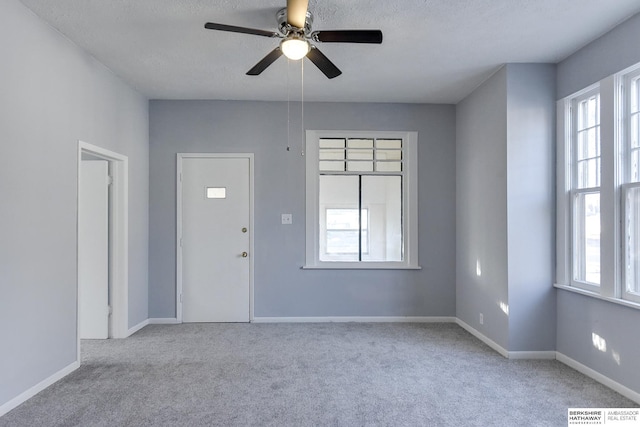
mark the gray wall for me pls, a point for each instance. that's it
(579, 316)
(481, 208)
(51, 96)
(607, 55)
(531, 112)
(504, 206)
(281, 287)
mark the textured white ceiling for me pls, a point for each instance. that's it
(434, 51)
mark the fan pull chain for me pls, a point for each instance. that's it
(302, 114)
(288, 106)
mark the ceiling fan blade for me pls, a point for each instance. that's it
(323, 63)
(265, 62)
(348, 36)
(297, 12)
(243, 30)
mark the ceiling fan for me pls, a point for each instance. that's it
(294, 30)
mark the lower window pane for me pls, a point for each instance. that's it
(632, 241)
(382, 197)
(587, 238)
(338, 215)
(372, 233)
(345, 242)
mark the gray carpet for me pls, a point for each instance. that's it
(335, 374)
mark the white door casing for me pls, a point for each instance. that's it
(93, 249)
(118, 239)
(215, 238)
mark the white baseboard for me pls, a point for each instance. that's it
(136, 328)
(357, 319)
(602, 379)
(623, 390)
(488, 341)
(28, 394)
(164, 321)
(540, 355)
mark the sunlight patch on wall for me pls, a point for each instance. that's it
(616, 357)
(504, 307)
(599, 342)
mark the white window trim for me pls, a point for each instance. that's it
(618, 301)
(410, 209)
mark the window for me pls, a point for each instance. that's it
(598, 229)
(631, 187)
(361, 199)
(585, 185)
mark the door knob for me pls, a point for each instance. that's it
(244, 254)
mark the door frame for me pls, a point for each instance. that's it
(118, 239)
(179, 166)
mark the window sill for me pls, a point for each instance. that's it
(619, 301)
(350, 266)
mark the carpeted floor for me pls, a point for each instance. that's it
(331, 374)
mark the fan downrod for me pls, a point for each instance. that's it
(286, 29)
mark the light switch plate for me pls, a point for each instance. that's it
(287, 219)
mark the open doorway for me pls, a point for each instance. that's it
(102, 243)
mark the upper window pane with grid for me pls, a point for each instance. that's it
(360, 155)
(588, 142)
(634, 131)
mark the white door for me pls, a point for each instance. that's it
(215, 239)
(93, 249)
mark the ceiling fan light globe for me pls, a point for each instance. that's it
(295, 48)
